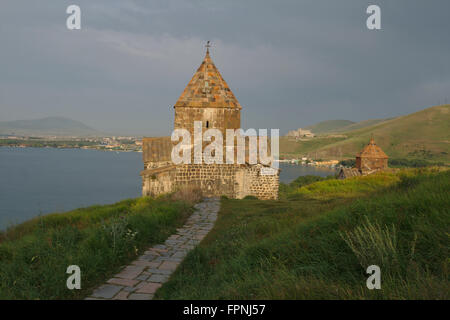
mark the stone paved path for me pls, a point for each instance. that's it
(141, 279)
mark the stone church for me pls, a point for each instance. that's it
(206, 98)
(369, 160)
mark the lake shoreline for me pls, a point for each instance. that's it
(39, 180)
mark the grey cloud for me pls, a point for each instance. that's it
(290, 63)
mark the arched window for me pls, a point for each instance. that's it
(207, 124)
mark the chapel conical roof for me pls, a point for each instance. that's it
(207, 89)
(372, 151)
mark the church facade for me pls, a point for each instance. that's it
(369, 160)
(206, 99)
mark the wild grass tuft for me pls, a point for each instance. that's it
(373, 244)
(190, 194)
(348, 188)
(34, 256)
(318, 244)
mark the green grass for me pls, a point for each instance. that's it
(287, 190)
(399, 163)
(337, 126)
(318, 246)
(422, 135)
(34, 256)
(349, 188)
(290, 147)
(329, 126)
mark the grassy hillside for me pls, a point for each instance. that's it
(337, 126)
(329, 126)
(421, 135)
(360, 125)
(290, 148)
(317, 242)
(34, 255)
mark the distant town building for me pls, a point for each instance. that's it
(300, 133)
(371, 159)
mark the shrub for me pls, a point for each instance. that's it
(287, 189)
(320, 249)
(190, 194)
(347, 188)
(348, 162)
(99, 239)
(412, 163)
(373, 244)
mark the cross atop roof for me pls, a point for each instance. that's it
(372, 141)
(207, 88)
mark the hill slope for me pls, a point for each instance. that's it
(318, 242)
(361, 124)
(337, 126)
(420, 135)
(47, 126)
(328, 126)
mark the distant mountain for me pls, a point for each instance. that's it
(421, 135)
(328, 126)
(51, 126)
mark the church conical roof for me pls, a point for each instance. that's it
(372, 151)
(207, 89)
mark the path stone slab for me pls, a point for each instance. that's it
(123, 282)
(106, 291)
(168, 265)
(159, 271)
(130, 272)
(144, 276)
(179, 254)
(150, 287)
(148, 257)
(144, 263)
(159, 278)
(140, 296)
(122, 295)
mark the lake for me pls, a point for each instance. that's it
(36, 181)
(290, 172)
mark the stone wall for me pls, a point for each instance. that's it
(370, 163)
(156, 149)
(212, 179)
(234, 181)
(159, 181)
(217, 118)
(256, 183)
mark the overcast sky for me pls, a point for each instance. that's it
(289, 63)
